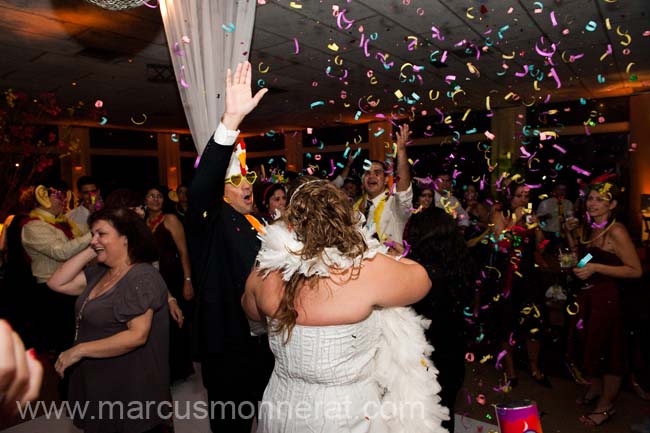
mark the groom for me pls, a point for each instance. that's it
(223, 245)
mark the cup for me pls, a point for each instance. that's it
(567, 258)
(518, 417)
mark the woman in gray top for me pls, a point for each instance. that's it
(118, 366)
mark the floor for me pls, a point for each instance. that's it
(558, 410)
(192, 390)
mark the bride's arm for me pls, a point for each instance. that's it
(248, 301)
(256, 318)
(397, 283)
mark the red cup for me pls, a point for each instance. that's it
(518, 417)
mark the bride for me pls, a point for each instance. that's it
(344, 360)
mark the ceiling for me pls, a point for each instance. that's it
(84, 53)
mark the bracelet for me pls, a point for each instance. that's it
(172, 300)
(188, 278)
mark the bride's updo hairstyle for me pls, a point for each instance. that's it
(321, 216)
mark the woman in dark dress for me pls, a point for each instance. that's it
(518, 304)
(174, 266)
(437, 245)
(119, 356)
(598, 324)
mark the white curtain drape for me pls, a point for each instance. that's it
(206, 37)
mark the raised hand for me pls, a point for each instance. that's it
(239, 97)
(403, 136)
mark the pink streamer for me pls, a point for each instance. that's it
(497, 365)
(341, 16)
(436, 33)
(182, 76)
(522, 74)
(333, 167)
(556, 78)
(580, 170)
(559, 148)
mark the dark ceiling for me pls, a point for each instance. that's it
(346, 61)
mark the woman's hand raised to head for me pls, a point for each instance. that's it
(20, 373)
(239, 97)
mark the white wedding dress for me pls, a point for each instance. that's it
(372, 376)
(323, 381)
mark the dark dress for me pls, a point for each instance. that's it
(134, 378)
(171, 269)
(598, 326)
(446, 335)
(516, 300)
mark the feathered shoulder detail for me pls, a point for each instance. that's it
(281, 250)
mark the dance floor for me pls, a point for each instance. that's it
(191, 390)
(559, 412)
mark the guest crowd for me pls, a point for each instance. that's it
(123, 294)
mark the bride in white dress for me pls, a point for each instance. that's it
(345, 361)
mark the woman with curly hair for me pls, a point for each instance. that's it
(321, 282)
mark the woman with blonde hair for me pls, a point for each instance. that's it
(325, 290)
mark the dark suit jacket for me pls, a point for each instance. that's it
(223, 247)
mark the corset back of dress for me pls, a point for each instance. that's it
(327, 355)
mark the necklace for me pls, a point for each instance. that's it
(600, 235)
(99, 290)
(155, 222)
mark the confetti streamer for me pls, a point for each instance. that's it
(580, 170)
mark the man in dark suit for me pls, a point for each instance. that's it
(223, 245)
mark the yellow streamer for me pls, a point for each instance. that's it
(628, 38)
(473, 70)
(144, 119)
(263, 71)
(574, 312)
(532, 102)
